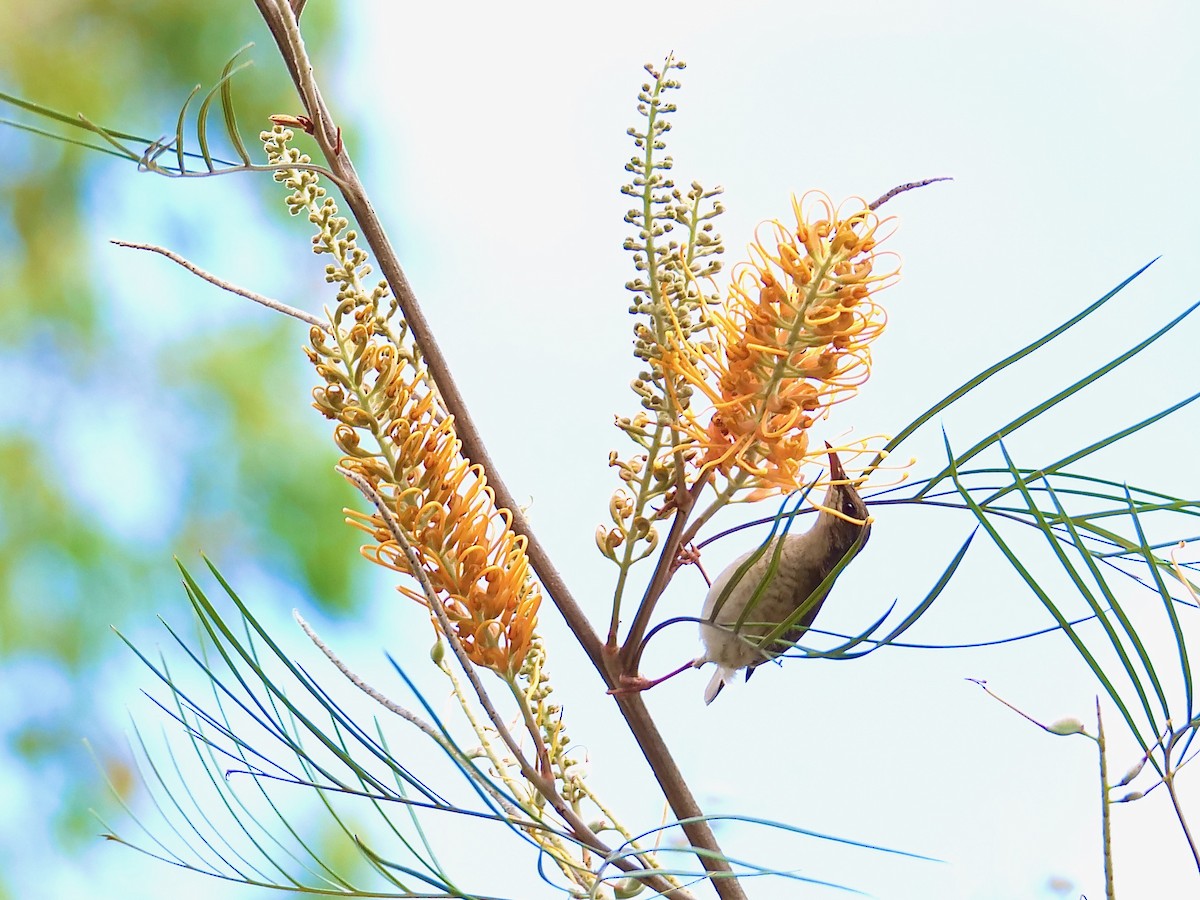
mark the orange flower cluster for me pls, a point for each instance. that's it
(792, 339)
(443, 506)
(376, 387)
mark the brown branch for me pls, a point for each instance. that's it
(325, 132)
(631, 649)
(285, 30)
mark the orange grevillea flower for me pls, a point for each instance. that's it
(791, 339)
(447, 513)
(397, 435)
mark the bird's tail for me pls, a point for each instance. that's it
(719, 680)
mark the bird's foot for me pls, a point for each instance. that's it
(635, 684)
(689, 555)
(685, 556)
(632, 684)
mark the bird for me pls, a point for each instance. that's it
(800, 566)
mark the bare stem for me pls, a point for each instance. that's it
(356, 680)
(276, 305)
(1168, 779)
(1105, 808)
(679, 795)
(901, 188)
(516, 816)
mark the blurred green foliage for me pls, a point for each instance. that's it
(250, 465)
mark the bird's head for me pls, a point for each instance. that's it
(843, 498)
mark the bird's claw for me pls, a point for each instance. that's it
(635, 684)
(686, 556)
(632, 684)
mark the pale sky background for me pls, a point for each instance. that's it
(495, 153)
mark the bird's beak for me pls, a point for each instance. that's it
(836, 472)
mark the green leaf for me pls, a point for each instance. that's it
(1035, 411)
(964, 389)
(985, 521)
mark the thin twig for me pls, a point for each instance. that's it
(516, 816)
(901, 188)
(1066, 727)
(1105, 808)
(544, 786)
(1187, 832)
(276, 305)
(1169, 780)
(356, 680)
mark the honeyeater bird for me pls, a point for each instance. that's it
(799, 568)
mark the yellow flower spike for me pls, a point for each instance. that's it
(791, 340)
(395, 434)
